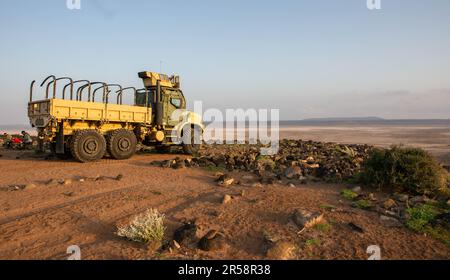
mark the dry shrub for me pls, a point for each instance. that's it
(146, 227)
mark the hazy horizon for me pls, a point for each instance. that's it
(310, 59)
(311, 120)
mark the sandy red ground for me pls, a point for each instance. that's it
(40, 223)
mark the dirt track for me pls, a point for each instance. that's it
(40, 223)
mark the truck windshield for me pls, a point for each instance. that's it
(140, 97)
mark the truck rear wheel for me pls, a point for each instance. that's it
(121, 143)
(88, 145)
(191, 136)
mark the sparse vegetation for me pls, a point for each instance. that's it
(348, 194)
(363, 204)
(327, 207)
(144, 228)
(312, 242)
(215, 168)
(421, 220)
(409, 170)
(421, 216)
(323, 227)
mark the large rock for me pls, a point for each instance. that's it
(212, 241)
(281, 250)
(306, 219)
(185, 232)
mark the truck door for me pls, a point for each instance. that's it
(173, 100)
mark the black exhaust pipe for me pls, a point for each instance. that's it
(159, 105)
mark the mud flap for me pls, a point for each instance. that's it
(60, 139)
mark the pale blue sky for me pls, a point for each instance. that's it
(315, 58)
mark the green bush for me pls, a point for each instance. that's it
(409, 170)
(349, 194)
(421, 220)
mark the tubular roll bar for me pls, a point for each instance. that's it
(52, 81)
(119, 94)
(105, 90)
(89, 86)
(48, 85)
(31, 90)
(54, 86)
(106, 97)
(72, 86)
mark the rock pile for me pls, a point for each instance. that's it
(296, 159)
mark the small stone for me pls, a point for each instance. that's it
(99, 178)
(401, 197)
(29, 186)
(417, 200)
(166, 163)
(281, 251)
(357, 189)
(256, 185)
(218, 174)
(248, 177)
(243, 193)
(66, 182)
(51, 182)
(225, 180)
(303, 180)
(448, 202)
(175, 244)
(81, 180)
(390, 222)
(310, 160)
(356, 228)
(212, 241)
(291, 185)
(119, 177)
(389, 204)
(372, 197)
(69, 194)
(227, 199)
(293, 172)
(179, 165)
(306, 219)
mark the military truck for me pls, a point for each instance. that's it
(83, 120)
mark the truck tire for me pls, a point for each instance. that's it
(121, 143)
(190, 136)
(88, 145)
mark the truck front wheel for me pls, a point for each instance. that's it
(88, 145)
(192, 139)
(121, 143)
